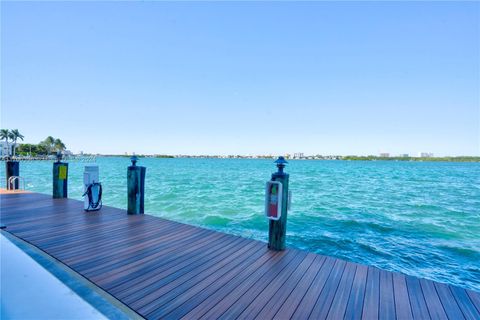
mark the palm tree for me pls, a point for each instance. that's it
(49, 144)
(5, 135)
(11, 136)
(15, 135)
(59, 145)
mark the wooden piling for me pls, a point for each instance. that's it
(60, 180)
(277, 229)
(12, 169)
(136, 188)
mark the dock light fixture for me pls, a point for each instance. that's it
(281, 163)
(134, 160)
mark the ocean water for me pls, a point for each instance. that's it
(418, 218)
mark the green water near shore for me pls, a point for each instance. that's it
(419, 218)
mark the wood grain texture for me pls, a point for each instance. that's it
(354, 307)
(403, 309)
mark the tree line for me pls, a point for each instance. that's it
(48, 146)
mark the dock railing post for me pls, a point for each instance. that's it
(276, 206)
(60, 178)
(136, 187)
(12, 169)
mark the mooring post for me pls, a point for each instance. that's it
(136, 187)
(60, 178)
(12, 169)
(276, 206)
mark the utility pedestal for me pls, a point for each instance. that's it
(136, 187)
(276, 206)
(60, 178)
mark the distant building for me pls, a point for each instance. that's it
(298, 155)
(4, 148)
(425, 155)
(404, 155)
(385, 155)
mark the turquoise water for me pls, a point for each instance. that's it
(419, 218)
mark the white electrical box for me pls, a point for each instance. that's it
(90, 176)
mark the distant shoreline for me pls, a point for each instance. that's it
(419, 159)
(345, 158)
(87, 157)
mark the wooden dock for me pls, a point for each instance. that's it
(167, 270)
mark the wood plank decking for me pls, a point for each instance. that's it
(167, 270)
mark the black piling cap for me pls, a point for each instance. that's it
(281, 162)
(59, 156)
(134, 160)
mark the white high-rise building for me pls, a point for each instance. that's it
(4, 152)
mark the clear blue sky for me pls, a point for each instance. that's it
(244, 78)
